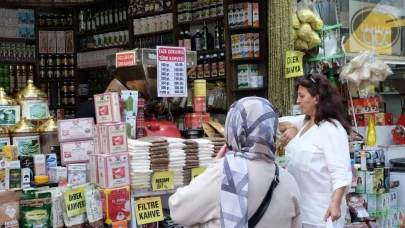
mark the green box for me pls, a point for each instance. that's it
(243, 76)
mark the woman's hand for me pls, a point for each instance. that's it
(333, 212)
(221, 153)
(288, 135)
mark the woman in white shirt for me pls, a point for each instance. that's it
(317, 152)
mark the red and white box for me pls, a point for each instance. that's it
(76, 152)
(75, 129)
(96, 139)
(113, 170)
(93, 168)
(107, 107)
(114, 138)
(116, 204)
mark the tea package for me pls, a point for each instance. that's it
(36, 210)
(10, 209)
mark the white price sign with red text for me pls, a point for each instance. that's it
(171, 71)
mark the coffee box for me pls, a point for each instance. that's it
(255, 14)
(107, 108)
(116, 204)
(247, 14)
(76, 152)
(114, 138)
(75, 129)
(113, 170)
(256, 45)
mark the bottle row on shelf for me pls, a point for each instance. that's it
(209, 66)
(103, 16)
(110, 39)
(56, 60)
(203, 41)
(14, 77)
(243, 15)
(56, 72)
(153, 41)
(17, 52)
(55, 20)
(189, 10)
(153, 24)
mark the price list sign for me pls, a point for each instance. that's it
(172, 71)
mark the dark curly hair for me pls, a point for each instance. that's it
(330, 105)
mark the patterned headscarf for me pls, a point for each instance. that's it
(250, 132)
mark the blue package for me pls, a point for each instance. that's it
(51, 161)
(22, 16)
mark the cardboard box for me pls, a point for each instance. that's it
(30, 17)
(255, 14)
(113, 170)
(25, 178)
(22, 31)
(107, 108)
(237, 46)
(361, 182)
(256, 45)
(61, 42)
(393, 199)
(30, 31)
(52, 42)
(27, 162)
(58, 175)
(114, 138)
(39, 165)
(116, 204)
(22, 16)
(242, 46)
(372, 204)
(51, 161)
(93, 168)
(76, 173)
(11, 152)
(76, 152)
(247, 14)
(384, 119)
(243, 79)
(75, 129)
(130, 98)
(43, 42)
(96, 139)
(69, 42)
(249, 44)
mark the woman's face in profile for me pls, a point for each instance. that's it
(306, 101)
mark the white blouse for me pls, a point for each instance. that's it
(319, 160)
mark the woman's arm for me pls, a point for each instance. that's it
(287, 122)
(199, 202)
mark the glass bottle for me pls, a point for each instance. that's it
(217, 36)
(204, 34)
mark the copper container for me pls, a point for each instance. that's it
(4, 138)
(48, 135)
(33, 99)
(5, 100)
(25, 136)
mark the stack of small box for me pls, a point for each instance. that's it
(109, 167)
(76, 145)
(382, 202)
(17, 23)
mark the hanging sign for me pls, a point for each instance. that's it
(163, 181)
(293, 64)
(148, 210)
(171, 71)
(125, 59)
(75, 201)
(195, 172)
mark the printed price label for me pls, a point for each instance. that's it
(195, 172)
(163, 181)
(171, 71)
(148, 210)
(75, 201)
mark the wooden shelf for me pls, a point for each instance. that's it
(153, 33)
(56, 79)
(137, 16)
(208, 79)
(104, 48)
(16, 62)
(201, 21)
(56, 28)
(16, 40)
(114, 29)
(247, 28)
(93, 68)
(249, 89)
(247, 59)
(210, 52)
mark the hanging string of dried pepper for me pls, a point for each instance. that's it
(281, 90)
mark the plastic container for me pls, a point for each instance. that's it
(196, 120)
(199, 104)
(200, 88)
(26, 137)
(41, 179)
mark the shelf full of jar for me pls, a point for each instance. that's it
(13, 78)
(195, 12)
(153, 41)
(209, 68)
(103, 18)
(55, 21)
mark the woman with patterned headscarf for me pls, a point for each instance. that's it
(232, 189)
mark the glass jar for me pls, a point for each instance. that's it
(72, 100)
(41, 20)
(64, 88)
(71, 60)
(62, 20)
(55, 20)
(65, 60)
(50, 72)
(50, 61)
(58, 61)
(48, 20)
(69, 20)
(42, 72)
(71, 87)
(42, 60)
(57, 73)
(65, 73)
(72, 72)
(65, 99)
